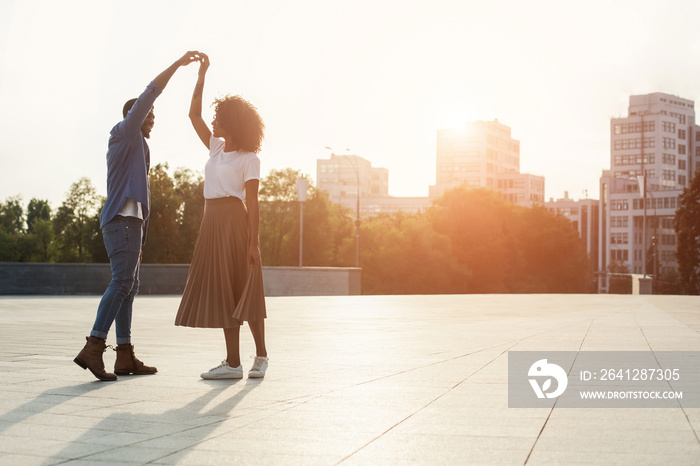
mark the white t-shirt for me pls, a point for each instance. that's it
(225, 173)
(131, 208)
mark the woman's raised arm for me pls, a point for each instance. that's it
(196, 105)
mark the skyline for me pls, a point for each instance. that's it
(379, 78)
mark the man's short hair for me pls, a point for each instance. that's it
(127, 106)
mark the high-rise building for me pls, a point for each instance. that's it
(341, 175)
(483, 154)
(654, 147)
(583, 215)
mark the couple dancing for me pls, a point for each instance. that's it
(224, 285)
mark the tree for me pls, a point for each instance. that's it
(510, 248)
(403, 254)
(12, 215)
(74, 223)
(37, 210)
(278, 216)
(189, 187)
(552, 256)
(480, 226)
(326, 227)
(35, 243)
(11, 228)
(162, 236)
(43, 236)
(688, 232)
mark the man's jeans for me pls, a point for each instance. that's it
(122, 237)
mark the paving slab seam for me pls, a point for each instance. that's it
(427, 405)
(685, 413)
(549, 415)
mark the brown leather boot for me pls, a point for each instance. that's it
(127, 363)
(91, 358)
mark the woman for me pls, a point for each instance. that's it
(224, 285)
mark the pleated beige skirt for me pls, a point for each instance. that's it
(222, 290)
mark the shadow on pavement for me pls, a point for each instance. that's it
(176, 429)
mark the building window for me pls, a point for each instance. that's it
(633, 159)
(619, 238)
(681, 164)
(669, 175)
(619, 255)
(625, 128)
(669, 159)
(669, 127)
(635, 143)
(681, 180)
(681, 134)
(619, 221)
(618, 204)
(668, 240)
(628, 174)
(681, 149)
(669, 143)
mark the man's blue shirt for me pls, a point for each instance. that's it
(128, 159)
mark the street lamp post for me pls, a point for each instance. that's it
(643, 187)
(302, 189)
(357, 213)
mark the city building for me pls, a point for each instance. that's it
(655, 147)
(583, 215)
(341, 175)
(483, 154)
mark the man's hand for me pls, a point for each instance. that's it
(162, 79)
(189, 57)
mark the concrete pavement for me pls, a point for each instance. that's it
(352, 380)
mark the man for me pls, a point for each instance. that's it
(124, 222)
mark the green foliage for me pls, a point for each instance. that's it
(162, 240)
(12, 216)
(75, 225)
(189, 188)
(37, 210)
(326, 225)
(177, 207)
(279, 214)
(668, 283)
(620, 284)
(688, 231)
(509, 248)
(403, 254)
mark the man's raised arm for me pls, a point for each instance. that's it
(162, 79)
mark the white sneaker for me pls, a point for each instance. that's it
(259, 368)
(223, 371)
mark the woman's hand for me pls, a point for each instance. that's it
(203, 64)
(253, 256)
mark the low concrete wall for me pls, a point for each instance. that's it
(92, 279)
(311, 281)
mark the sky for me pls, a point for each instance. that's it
(373, 78)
